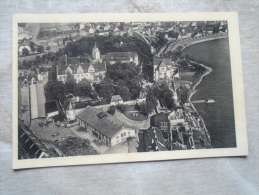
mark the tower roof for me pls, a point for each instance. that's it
(70, 107)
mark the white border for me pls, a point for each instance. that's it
(237, 83)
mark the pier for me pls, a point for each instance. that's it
(207, 101)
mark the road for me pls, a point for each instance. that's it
(171, 46)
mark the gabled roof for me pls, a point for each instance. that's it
(75, 62)
(108, 126)
(116, 98)
(155, 138)
(163, 62)
(25, 42)
(70, 107)
(156, 119)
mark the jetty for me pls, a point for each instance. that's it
(207, 101)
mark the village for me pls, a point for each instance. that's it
(122, 99)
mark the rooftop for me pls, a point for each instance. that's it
(116, 98)
(107, 124)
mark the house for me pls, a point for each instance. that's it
(89, 30)
(92, 69)
(123, 57)
(104, 32)
(116, 99)
(187, 30)
(176, 118)
(164, 69)
(24, 44)
(107, 128)
(161, 121)
(154, 140)
(81, 26)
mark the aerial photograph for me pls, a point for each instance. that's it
(101, 88)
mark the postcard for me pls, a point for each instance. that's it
(112, 88)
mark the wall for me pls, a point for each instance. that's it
(118, 138)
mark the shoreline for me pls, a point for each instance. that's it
(196, 41)
(208, 71)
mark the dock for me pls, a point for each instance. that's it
(207, 101)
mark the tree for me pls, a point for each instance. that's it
(32, 46)
(25, 52)
(105, 89)
(145, 108)
(83, 88)
(70, 83)
(55, 89)
(40, 49)
(121, 108)
(111, 110)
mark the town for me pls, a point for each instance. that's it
(105, 88)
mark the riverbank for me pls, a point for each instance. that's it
(208, 71)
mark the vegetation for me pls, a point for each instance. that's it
(112, 110)
(121, 108)
(145, 108)
(162, 93)
(120, 79)
(25, 52)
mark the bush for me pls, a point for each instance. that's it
(111, 110)
(81, 105)
(121, 108)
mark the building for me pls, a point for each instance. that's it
(70, 112)
(164, 70)
(37, 101)
(176, 117)
(161, 121)
(92, 69)
(154, 140)
(107, 129)
(123, 57)
(115, 100)
(24, 44)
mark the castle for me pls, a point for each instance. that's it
(92, 69)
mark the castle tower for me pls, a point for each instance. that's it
(70, 112)
(95, 53)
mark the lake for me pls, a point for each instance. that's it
(219, 116)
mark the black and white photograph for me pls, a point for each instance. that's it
(91, 89)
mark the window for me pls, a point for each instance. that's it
(163, 124)
(123, 134)
(117, 137)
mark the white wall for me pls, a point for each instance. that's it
(118, 138)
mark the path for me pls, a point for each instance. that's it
(82, 133)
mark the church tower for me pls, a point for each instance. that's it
(95, 53)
